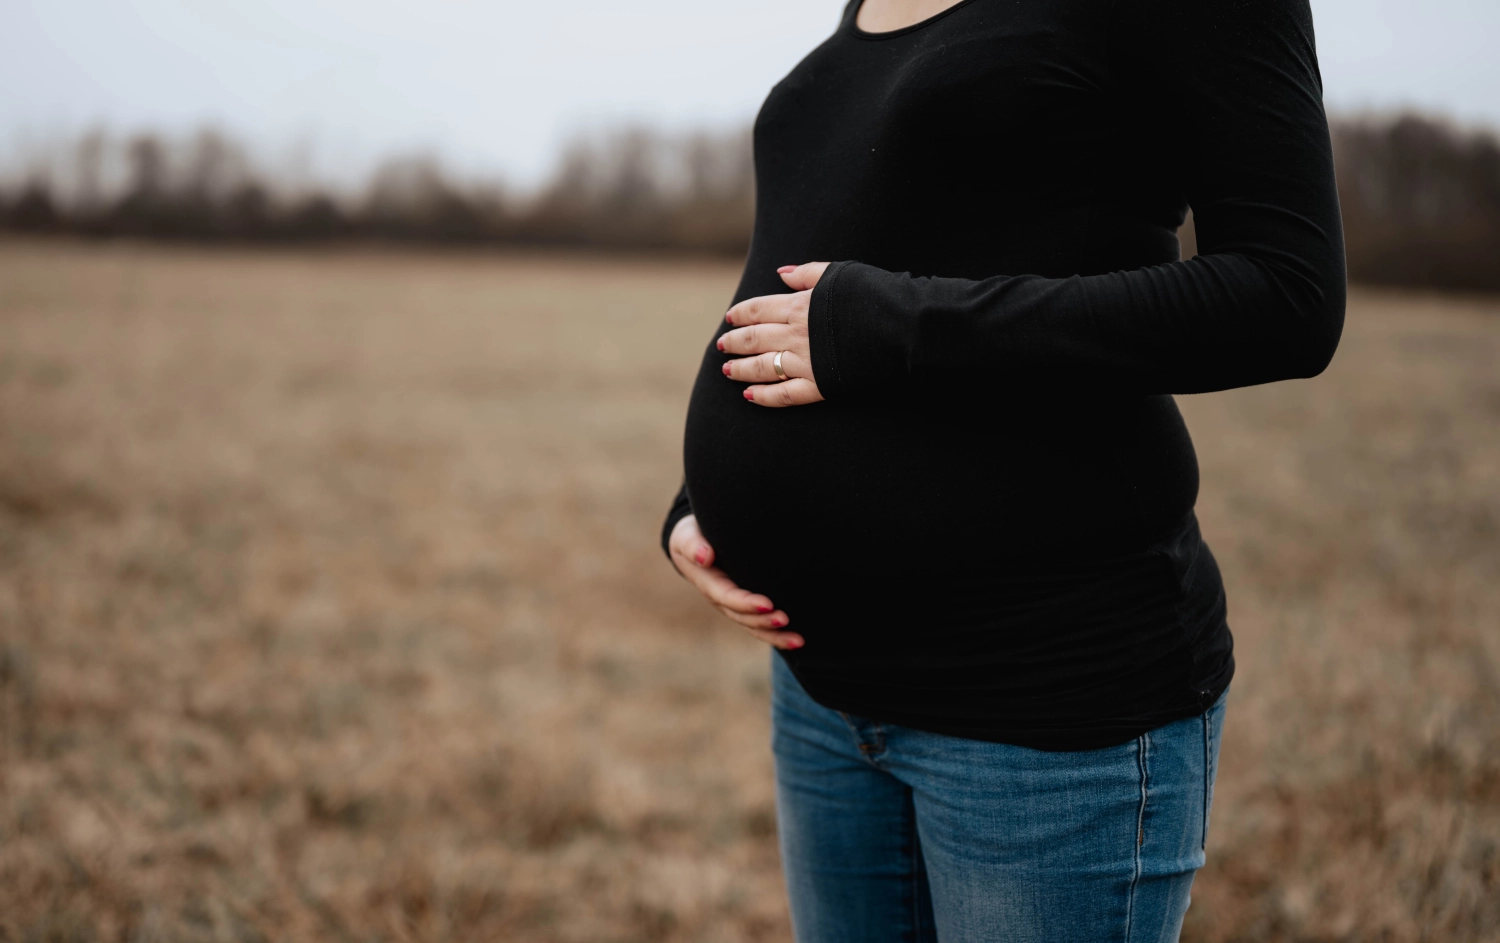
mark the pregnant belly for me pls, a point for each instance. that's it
(864, 509)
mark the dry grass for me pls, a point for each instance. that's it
(331, 609)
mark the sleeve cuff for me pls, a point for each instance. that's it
(859, 324)
(821, 336)
(681, 507)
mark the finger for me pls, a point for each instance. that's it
(765, 309)
(761, 368)
(687, 541)
(694, 550)
(712, 582)
(786, 641)
(757, 339)
(763, 628)
(795, 392)
(802, 277)
(761, 622)
(723, 592)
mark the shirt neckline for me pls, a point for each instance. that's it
(892, 33)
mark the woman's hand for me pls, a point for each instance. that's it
(775, 324)
(694, 559)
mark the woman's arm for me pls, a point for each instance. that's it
(1263, 300)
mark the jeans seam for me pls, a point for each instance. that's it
(916, 877)
(1142, 745)
(1203, 845)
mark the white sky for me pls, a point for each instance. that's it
(495, 85)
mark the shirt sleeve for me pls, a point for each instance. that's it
(681, 507)
(1262, 301)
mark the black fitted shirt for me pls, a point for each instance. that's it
(987, 528)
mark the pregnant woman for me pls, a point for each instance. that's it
(932, 454)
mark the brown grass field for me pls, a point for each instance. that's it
(331, 609)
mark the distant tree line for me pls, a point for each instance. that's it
(1421, 197)
(631, 187)
(1421, 202)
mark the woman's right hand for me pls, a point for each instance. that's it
(694, 559)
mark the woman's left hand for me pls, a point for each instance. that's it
(775, 324)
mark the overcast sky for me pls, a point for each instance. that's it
(495, 85)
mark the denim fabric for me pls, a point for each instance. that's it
(894, 834)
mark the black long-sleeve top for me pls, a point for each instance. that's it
(987, 528)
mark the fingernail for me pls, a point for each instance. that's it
(786, 268)
(763, 609)
(750, 395)
(778, 622)
(794, 643)
(726, 369)
(729, 318)
(700, 556)
(719, 344)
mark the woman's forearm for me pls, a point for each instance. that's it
(1264, 299)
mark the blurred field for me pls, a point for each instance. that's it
(331, 609)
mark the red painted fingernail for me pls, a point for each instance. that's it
(719, 344)
(729, 318)
(778, 622)
(763, 609)
(700, 556)
(750, 395)
(795, 643)
(786, 268)
(726, 369)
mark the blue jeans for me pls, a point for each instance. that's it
(893, 834)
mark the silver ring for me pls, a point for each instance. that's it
(776, 365)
